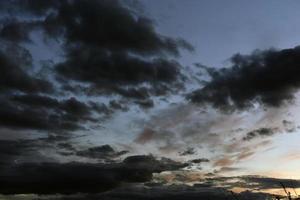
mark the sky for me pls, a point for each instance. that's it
(219, 29)
(149, 99)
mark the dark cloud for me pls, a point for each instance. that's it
(15, 31)
(145, 103)
(199, 160)
(24, 150)
(100, 107)
(268, 77)
(10, 150)
(289, 126)
(164, 164)
(107, 24)
(108, 70)
(13, 76)
(66, 146)
(107, 45)
(117, 105)
(208, 189)
(39, 7)
(176, 192)
(182, 193)
(53, 138)
(53, 178)
(262, 132)
(108, 49)
(101, 152)
(46, 113)
(188, 151)
(136, 93)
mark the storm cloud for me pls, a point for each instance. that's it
(96, 103)
(14, 77)
(74, 177)
(106, 45)
(267, 77)
(181, 192)
(101, 152)
(108, 50)
(46, 113)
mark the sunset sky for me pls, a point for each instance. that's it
(149, 99)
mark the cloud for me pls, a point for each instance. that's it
(66, 146)
(145, 136)
(208, 189)
(255, 182)
(46, 113)
(145, 103)
(237, 152)
(15, 31)
(186, 129)
(75, 177)
(267, 77)
(262, 132)
(199, 160)
(164, 164)
(23, 150)
(178, 192)
(188, 151)
(269, 183)
(107, 46)
(227, 169)
(172, 129)
(88, 67)
(223, 162)
(101, 152)
(10, 150)
(112, 52)
(108, 50)
(13, 77)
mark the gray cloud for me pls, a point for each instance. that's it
(199, 160)
(177, 192)
(188, 151)
(107, 46)
(267, 77)
(46, 113)
(74, 177)
(101, 152)
(262, 132)
(14, 77)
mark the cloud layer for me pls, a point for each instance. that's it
(74, 177)
(109, 51)
(110, 59)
